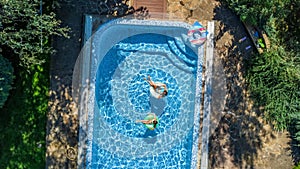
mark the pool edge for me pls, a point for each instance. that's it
(86, 138)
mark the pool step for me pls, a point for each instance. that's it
(179, 50)
(181, 61)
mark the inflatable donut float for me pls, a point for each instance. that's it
(197, 34)
(151, 125)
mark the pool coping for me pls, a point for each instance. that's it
(207, 97)
(85, 133)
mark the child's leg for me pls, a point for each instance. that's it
(151, 83)
(143, 121)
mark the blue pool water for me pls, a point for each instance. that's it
(123, 96)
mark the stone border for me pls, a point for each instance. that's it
(207, 96)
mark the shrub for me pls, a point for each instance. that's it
(274, 81)
(6, 79)
(23, 120)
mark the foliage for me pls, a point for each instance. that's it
(297, 167)
(274, 76)
(258, 11)
(6, 79)
(26, 30)
(23, 120)
(279, 18)
(275, 82)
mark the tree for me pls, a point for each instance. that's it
(6, 79)
(26, 30)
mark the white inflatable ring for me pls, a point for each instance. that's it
(156, 93)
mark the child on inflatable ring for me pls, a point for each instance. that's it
(157, 87)
(150, 121)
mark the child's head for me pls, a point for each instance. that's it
(155, 122)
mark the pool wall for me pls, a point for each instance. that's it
(91, 55)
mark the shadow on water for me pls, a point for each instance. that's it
(157, 106)
(237, 139)
(150, 134)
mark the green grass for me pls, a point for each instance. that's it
(23, 120)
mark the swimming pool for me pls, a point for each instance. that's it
(121, 54)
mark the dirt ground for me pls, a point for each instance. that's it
(241, 139)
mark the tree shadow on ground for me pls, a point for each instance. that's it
(238, 137)
(119, 8)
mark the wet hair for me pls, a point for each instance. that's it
(155, 122)
(165, 93)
